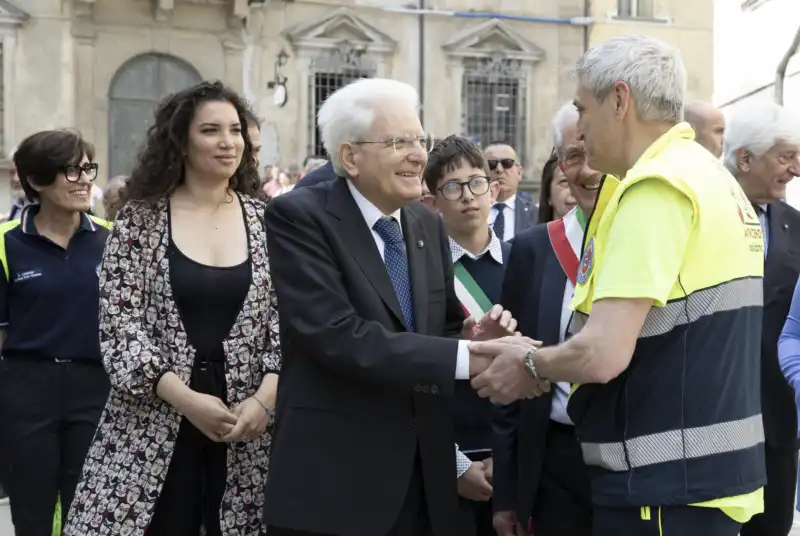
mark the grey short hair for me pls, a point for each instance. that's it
(118, 180)
(653, 70)
(757, 128)
(566, 115)
(347, 115)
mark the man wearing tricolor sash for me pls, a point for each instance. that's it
(539, 473)
(457, 178)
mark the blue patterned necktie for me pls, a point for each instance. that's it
(499, 226)
(394, 256)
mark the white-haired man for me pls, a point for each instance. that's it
(373, 334)
(664, 359)
(762, 150)
(538, 468)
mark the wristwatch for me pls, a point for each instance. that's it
(530, 364)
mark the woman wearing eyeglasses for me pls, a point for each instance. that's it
(52, 384)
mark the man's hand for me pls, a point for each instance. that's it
(473, 484)
(496, 323)
(488, 469)
(505, 524)
(506, 380)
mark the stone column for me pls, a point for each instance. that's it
(234, 62)
(84, 35)
(455, 70)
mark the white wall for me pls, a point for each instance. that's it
(748, 45)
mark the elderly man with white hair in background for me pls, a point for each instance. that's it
(373, 335)
(762, 150)
(538, 467)
(664, 356)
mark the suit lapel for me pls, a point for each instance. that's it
(552, 296)
(777, 246)
(361, 244)
(416, 244)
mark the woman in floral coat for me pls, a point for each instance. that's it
(188, 334)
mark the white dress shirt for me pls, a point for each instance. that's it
(508, 215)
(764, 221)
(558, 407)
(371, 215)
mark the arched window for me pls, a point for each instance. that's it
(136, 89)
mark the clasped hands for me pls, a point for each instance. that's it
(498, 371)
(242, 422)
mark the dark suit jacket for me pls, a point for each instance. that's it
(526, 214)
(533, 291)
(780, 277)
(323, 173)
(359, 397)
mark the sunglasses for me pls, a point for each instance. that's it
(507, 163)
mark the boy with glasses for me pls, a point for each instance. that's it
(461, 191)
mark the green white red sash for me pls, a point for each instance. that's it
(469, 293)
(566, 236)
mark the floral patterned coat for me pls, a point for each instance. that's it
(141, 337)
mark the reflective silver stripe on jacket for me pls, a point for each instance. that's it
(676, 445)
(728, 296)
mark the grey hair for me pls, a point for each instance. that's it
(566, 115)
(653, 70)
(757, 128)
(347, 115)
(118, 180)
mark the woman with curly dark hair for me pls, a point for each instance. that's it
(188, 335)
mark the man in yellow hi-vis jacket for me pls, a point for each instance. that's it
(664, 357)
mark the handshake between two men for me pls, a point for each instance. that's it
(501, 359)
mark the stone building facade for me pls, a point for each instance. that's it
(492, 70)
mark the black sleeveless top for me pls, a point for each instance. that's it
(208, 299)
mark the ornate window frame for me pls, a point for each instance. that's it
(493, 40)
(333, 37)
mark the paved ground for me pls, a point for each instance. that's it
(7, 529)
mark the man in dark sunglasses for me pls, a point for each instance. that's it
(512, 212)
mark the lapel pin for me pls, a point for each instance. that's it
(785, 225)
(420, 244)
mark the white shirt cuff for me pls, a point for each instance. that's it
(462, 361)
(462, 463)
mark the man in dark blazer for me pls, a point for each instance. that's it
(513, 211)
(763, 172)
(363, 443)
(323, 173)
(539, 470)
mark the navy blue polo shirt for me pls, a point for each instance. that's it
(49, 296)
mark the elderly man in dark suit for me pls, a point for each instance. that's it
(373, 335)
(761, 149)
(513, 211)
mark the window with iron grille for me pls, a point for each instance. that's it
(494, 102)
(636, 9)
(329, 72)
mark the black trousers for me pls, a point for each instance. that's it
(663, 521)
(563, 501)
(778, 495)
(413, 519)
(195, 482)
(48, 416)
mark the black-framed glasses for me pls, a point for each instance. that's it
(73, 172)
(454, 190)
(507, 163)
(402, 145)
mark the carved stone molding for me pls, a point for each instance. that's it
(492, 37)
(163, 10)
(84, 9)
(84, 32)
